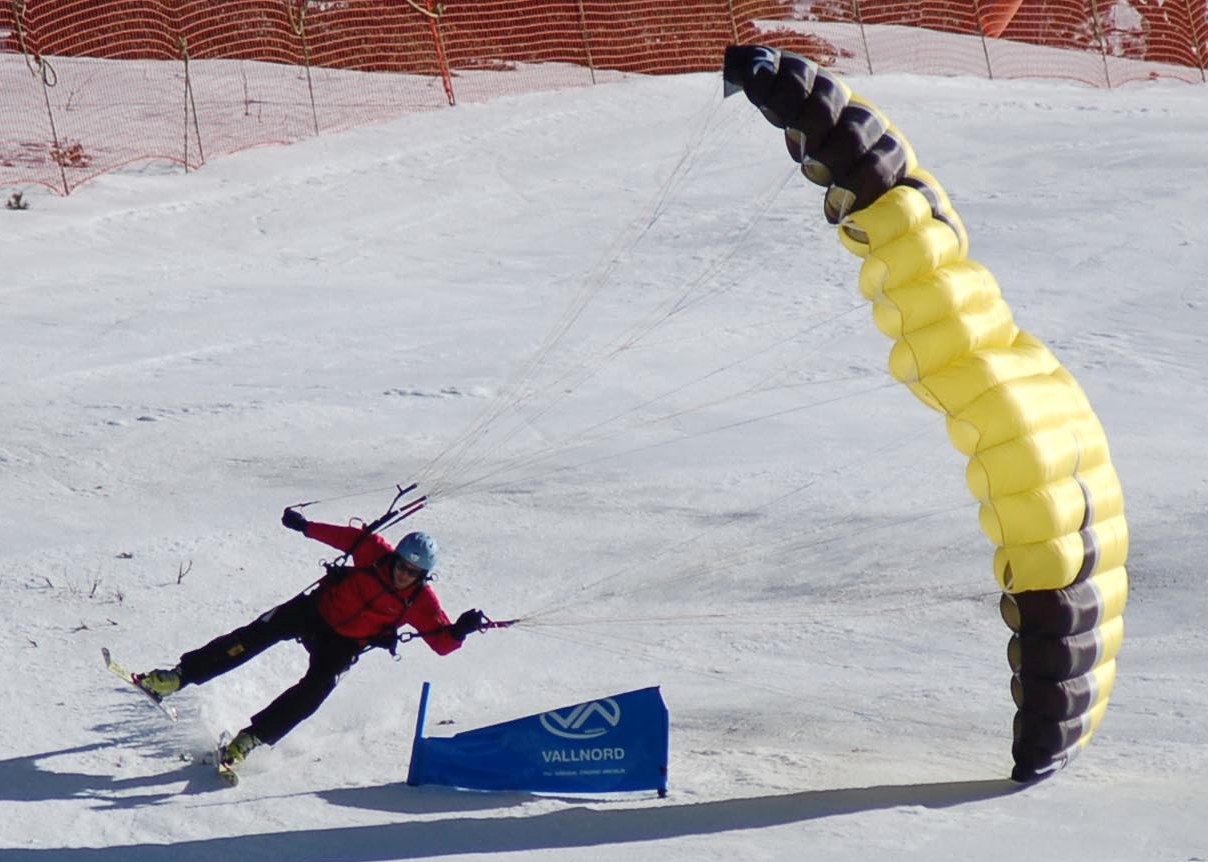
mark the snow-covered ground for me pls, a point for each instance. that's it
(610, 332)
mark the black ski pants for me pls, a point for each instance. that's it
(330, 655)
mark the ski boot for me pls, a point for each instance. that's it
(237, 750)
(158, 683)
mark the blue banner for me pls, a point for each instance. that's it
(611, 744)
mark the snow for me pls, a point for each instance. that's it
(708, 481)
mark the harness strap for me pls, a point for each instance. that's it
(386, 587)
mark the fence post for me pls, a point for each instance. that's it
(1195, 38)
(855, 4)
(434, 11)
(1107, 75)
(183, 45)
(45, 73)
(733, 20)
(591, 63)
(981, 31)
(298, 25)
(190, 104)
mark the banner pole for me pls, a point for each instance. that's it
(417, 743)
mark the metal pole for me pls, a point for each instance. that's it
(414, 773)
(733, 20)
(1102, 43)
(863, 35)
(591, 64)
(298, 25)
(1195, 38)
(981, 31)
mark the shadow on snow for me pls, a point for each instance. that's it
(22, 780)
(571, 828)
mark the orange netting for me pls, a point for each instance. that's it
(90, 85)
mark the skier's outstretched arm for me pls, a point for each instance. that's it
(340, 538)
(431, 621)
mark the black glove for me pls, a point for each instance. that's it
(293, 520)
(470, 621)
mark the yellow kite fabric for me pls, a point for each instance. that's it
(1038, 459)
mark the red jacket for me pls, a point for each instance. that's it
(365, 604)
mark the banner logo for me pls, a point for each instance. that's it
(585, 721)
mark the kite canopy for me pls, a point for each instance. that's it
(1039, 464)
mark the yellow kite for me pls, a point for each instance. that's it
(1038, 458)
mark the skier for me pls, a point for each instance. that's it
(352, 609)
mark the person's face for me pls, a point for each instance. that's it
(406, 574)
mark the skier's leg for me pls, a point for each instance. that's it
(330, 656)
(226, 652)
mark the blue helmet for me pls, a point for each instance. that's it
(418, 549)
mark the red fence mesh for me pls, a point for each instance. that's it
(87, 86)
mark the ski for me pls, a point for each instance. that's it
(213, 757)
(121, 673)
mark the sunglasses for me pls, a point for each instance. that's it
(408, 568)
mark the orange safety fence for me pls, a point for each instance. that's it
(87, 86)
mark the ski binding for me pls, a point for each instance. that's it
(121, 673)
